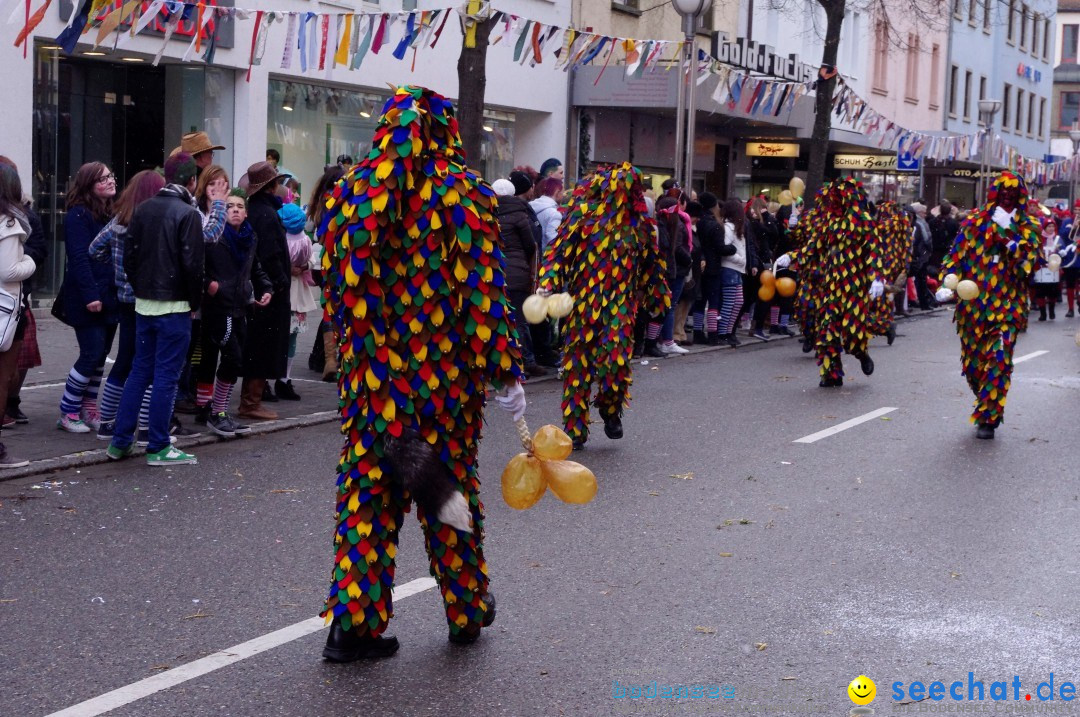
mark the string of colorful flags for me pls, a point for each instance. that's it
(323, 41)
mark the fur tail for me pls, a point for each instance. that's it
(417, 468)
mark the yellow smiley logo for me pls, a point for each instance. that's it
(862, 690)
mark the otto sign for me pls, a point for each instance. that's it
(760, 58)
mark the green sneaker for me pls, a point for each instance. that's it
(116, 454)
(170, 456)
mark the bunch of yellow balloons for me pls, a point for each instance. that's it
(966, 289)
(528, 475)
(768, 286)
(795, 189)
(538, 308)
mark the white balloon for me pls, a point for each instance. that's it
(559, 305)
(1054, 262)
(951, 280)
(535, 309)
(967, 289)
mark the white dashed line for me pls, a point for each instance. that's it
(1028, 357)
(815, 437)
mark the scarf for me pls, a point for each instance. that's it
(239, 242)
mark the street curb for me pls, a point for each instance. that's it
(97, 456)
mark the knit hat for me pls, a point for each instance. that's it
(521, 182)
(180, 169)
(503, 188)
(549, 166)
(293, 218)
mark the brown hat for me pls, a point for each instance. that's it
(258, 176)
(197, 142)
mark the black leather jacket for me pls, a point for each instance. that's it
(163, 257)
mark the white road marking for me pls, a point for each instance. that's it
(815, 437)
(171, 678)
(42, 385)
(1028, 357)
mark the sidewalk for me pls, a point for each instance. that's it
(50, 449)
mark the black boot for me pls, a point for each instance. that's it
(652, 350)
(613, 427)
(890, 334)
(1042, 313)
(807, 344)
(1051, 309)
(285, 390)
(733, 340)
(463, 637)
(700, 338)
(268, 394)
(866, 363)
(348, 646)
(985, 431)
(831, 383)
(715, 339)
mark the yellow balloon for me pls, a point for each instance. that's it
(951, 280)
(786, 198)
(523, 481)
(967, 289)
(1054, 262)
(767, 278)
(551, 443)
(571, 482)
(785, 286)
(559, 305)
(766, 293)
(796, 186)
(535, 309)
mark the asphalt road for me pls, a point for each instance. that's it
(718, 551)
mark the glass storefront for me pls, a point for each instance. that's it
(312, 125)
(896, 187)
(112, 111)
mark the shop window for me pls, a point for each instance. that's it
(1070, 110)
(1069, 36)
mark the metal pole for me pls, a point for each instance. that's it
(680, 121)
(689, 27)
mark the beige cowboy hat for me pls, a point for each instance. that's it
(258, 176)
(197, 142)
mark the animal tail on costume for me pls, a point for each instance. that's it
(417, 468)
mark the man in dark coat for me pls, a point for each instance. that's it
(519, 249)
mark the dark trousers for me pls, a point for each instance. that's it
(222, 338)
(926, 299)
(517, 298)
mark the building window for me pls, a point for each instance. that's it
(1036, 24)
(967, 96)
(912, 84)
(625, 4)
(958, 9)
(972, 14)
(1069, 36)
(1006, 107)
(1070, 110)
(982, 88)
(1023, 26)
(986, 15)
(954, 75)
(1031, 114)
(1019, 125)
(881, 58)
(1011, 22)
(1046, 39)
(935, 69)
(1042, 117)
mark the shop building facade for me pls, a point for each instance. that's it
(112, 104)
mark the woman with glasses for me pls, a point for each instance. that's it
(88, 295)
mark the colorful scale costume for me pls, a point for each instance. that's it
(606, 256)
(1000, 261)
(894, 248)
(840, 248)
(805, 309)
(414, 286)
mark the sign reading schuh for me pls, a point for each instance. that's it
(866, 162)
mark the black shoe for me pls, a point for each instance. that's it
(639, 349)
(346, 646)
(613, 427)
(760, 335)
(807, 345)
(652, 351)
(22, 419)
(1068, 315)
(831, 383)
(1052, 315)
(285, 391)
(733, 340)
(700, 337)
(714, 339)
(268, 395)
(1042, 314)
(533, 370)
(177, 429)
(467, 638)
(221, 424)
(202, 414)
(890, 334)
(985, 432)
(867, 364)
(579, 445)
(185, 405)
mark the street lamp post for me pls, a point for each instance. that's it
(691, 12)
(987, 110)
(1074, 135)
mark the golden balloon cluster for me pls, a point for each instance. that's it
(795, 190)
(538, 309)
(528, 475)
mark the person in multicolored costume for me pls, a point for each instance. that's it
(415, 290)
(841, 249)
(894, 248)
(805, 308)
(998, 249)
(606, 257)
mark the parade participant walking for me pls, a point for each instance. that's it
(998, 249)
(894, 248)
(805, 309)
(841, 247)
(302, 297)
(163, 259)
(1046, 282)
(417, 349)
(605, 255)
(1069, 249)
